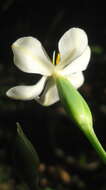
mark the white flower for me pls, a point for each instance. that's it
(30, 56)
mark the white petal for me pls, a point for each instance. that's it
(76, 79)
(27, 92)
(30, 57)
(79, 64)
(50, 94)
(71, 45)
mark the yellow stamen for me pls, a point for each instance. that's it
(58, 58)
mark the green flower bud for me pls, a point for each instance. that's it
(78, 110)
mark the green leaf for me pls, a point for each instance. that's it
(26, 158)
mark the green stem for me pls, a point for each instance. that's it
(96, 144)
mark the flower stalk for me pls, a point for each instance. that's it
(97, 145)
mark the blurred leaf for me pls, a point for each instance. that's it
(26, 158)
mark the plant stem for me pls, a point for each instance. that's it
(96, 144)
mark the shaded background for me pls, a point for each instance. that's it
(57, 141)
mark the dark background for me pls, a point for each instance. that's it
(49, 129)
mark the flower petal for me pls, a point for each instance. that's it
(30, 57)
(76, 79)
(27, 92)
(71, 45)
(79, 64)
(50, 94)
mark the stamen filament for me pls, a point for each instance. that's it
(54, 55)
